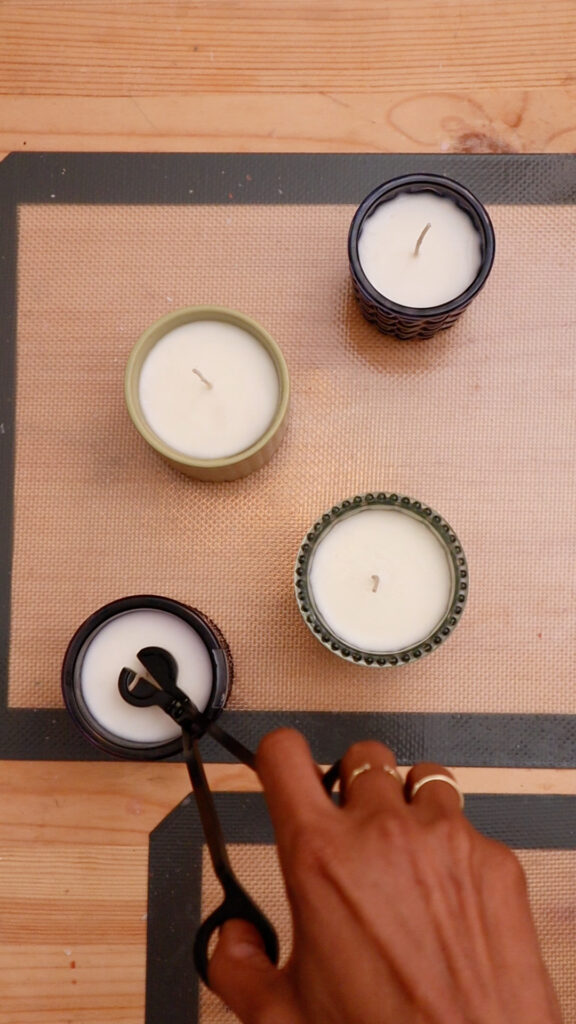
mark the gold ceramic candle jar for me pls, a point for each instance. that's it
(208, 388)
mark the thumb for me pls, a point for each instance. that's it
(242, 975)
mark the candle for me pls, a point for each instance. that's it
(115, 645)
(420, 248)
(110, 640)
(208, 388)
(381, 579)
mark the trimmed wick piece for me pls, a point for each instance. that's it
(375, 583)
(143, 676)
(421, 236)
(203, 379)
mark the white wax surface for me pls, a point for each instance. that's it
(198, 420)
(414, 580)
(448, 260)
(116, 645)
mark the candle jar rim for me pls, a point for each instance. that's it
(446, 188)
(102, 738)
(178, 318)
(457, 562)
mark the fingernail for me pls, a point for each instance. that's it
(243, 950)
(240, 940)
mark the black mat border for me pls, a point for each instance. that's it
(181, 179)
(274, 178)
(524, 822)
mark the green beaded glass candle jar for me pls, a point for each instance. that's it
(423, 552)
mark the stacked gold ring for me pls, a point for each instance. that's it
(395, 774)
(362, 768)
(436, 778)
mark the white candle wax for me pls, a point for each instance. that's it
(116, 645)
(447, 261)
(209, 389)
(381, 580)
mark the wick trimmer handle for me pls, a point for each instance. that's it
(236, 904)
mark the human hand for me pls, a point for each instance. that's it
(402, 912)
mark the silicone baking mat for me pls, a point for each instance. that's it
(478, 422)
(174, 996)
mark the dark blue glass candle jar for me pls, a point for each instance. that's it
(109, 640)
(426, 226)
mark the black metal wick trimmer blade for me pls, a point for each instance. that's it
(161, 665)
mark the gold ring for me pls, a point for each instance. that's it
(436, 778)
(368, 768)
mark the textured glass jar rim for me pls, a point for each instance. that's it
(98, 735)
(447, 188)
(191, 314)
(456, 559)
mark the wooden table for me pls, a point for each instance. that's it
(229, 75)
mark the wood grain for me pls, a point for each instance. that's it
(276, 76)
(452, 122)
(80, 983)
(234, 46)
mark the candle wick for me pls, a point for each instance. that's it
(202, 378)
(421, 237)
(375, 583)
(147, 679)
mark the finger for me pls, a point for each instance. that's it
(436, 798)
(368, 777)
(242, 976)
(292, 782)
